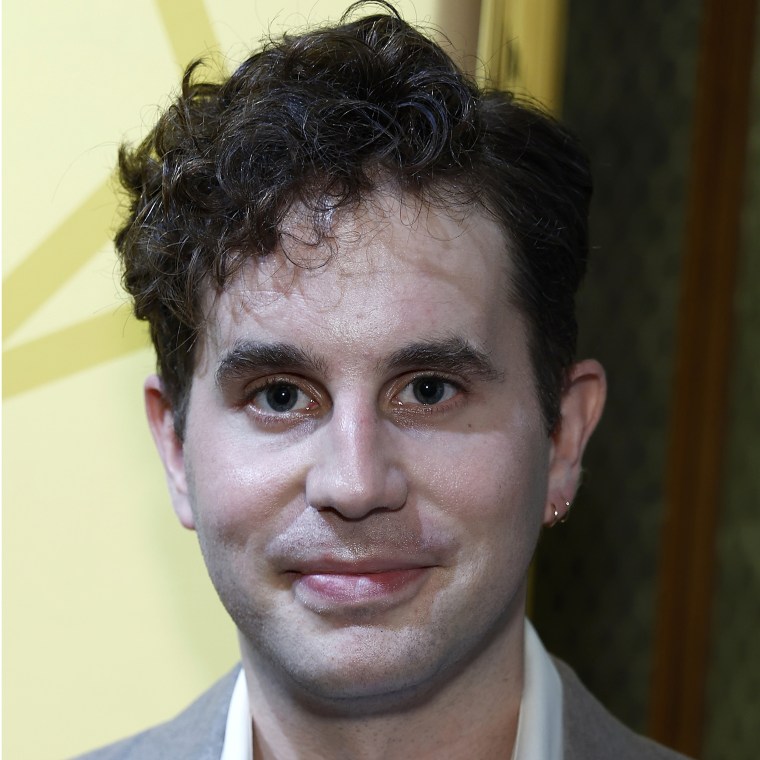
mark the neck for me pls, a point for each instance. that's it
(472, 714)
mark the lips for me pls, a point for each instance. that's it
(324, 585)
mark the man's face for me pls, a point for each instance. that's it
(365, 459)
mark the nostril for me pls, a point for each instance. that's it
(355, 515)
(355, 493)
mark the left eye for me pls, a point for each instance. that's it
(281, 398)
(427, 391)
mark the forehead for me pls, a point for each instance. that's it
(389, 265)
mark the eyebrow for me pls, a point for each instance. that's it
(247, 357)
(453, 354)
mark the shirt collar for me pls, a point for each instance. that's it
(238, 735)
(539, 728)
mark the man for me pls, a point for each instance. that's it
(359, 272)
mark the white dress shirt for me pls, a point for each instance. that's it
(539, 729)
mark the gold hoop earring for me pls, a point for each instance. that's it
(560, 518)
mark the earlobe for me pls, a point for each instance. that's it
(581, 408)
(161, 422)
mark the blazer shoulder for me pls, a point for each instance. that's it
(197, 733)
(593, 733)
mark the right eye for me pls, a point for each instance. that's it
(280, 397)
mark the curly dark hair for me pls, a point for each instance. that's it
(321, 120)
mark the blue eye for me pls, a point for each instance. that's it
(427, 391)
(280, 397)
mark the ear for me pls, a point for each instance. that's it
(580, 409)
(170, 448)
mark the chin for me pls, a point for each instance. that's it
(363, 689)
(357, 670)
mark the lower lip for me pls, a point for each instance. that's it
(318, 590)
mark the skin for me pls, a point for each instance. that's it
(367, 468)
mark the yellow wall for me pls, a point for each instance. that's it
(110, 623)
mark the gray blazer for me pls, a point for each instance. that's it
(590, 732)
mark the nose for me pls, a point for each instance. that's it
(355, 470)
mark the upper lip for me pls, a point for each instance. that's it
(363, 566)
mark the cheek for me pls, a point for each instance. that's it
(490, 488)
(240, 490)
(490, 474)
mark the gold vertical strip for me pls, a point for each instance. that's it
(522, 46)
(492, 43)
